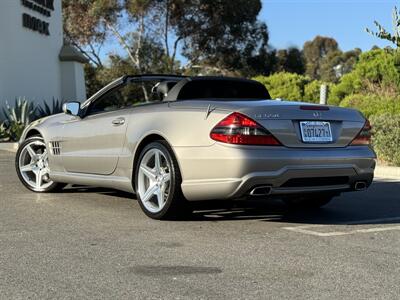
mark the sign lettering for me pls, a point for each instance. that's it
(35, 24)
(43, 7)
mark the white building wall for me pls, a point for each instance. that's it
(73, 81)
(30, 63)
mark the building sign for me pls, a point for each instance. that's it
(43, 7)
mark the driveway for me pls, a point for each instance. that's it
(96, 243)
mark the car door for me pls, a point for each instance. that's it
(92, 144)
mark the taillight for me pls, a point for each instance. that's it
(239, 129)
(364, 137)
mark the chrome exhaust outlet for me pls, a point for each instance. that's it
(360, 186)
(261, 191)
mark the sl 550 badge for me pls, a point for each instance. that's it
(267, 116)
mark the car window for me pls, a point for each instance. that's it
(128, 95)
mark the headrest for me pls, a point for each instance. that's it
(164, 87)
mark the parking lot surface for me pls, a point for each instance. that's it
(96, 243)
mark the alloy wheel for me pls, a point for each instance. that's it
(154, 180)
(34, 166)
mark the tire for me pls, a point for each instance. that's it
(160, 198)
(308, 201)
(36, 169)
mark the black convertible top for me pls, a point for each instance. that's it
(210, 87)
(178, 88)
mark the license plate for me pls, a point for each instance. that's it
(316, 132)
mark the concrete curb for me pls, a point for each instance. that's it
(387, 172)
(11, 147)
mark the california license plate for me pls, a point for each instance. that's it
(316, 132)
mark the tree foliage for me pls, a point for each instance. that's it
(84, 24)
(221, 34)
(289, 60)
(134, 24)
(218, 34)
(384, 34)
(315, 52)
(377, 72)
(337, 63)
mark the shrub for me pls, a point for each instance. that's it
(376, 72)
(294, 87)
(47, 110)
(288, 86)
(312, 91)
(17, 118)
(371, 104)
(22, 114)
(386, 137)
(4, 137)
(23, 111)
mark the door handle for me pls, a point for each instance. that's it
(118, 122)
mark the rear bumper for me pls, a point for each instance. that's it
(229, 172)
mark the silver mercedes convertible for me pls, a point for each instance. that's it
(174, 139)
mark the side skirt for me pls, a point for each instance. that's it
(114, 182)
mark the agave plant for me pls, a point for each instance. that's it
(23, 112)
(18, 117)
(46, 110)
(4, 136)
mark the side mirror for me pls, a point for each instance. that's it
(72, 108)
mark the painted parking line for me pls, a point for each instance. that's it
(394, 179)
(371, 221)
(313, 229)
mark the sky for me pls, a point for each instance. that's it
(293, 22)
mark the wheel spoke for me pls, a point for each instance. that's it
(27, 168)
(149, 193)
(39, 178)
(31, 152)
(44, 155)
(157, 163)
(166, 177)
(164, 188)
(148, 172)
(160, 198)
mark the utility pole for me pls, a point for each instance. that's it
(323, 99)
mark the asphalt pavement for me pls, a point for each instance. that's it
(94, 243)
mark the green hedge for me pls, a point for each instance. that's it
(373, 105)
(377, 71)
(284, 85)
(293, 87)
(386, 137)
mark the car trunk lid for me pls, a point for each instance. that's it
(291, 122)
(283, 118)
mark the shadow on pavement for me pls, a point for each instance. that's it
(379, 204)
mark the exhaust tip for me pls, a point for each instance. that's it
(360, 186)
(261, 191)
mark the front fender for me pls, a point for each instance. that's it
(39, 126)
(32, 126)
